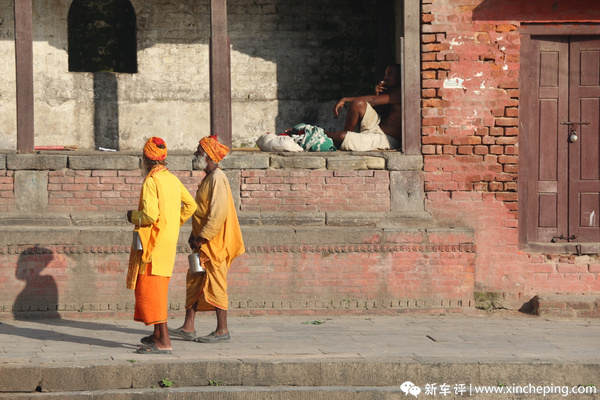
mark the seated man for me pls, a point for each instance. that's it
(375, 132)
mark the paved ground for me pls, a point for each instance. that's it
(422, 338)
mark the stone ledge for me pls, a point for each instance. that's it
(387, 220)
(105, 162)
(244, 160)
(117, 239)
(182, 161)
(279, 162)
(35, 162)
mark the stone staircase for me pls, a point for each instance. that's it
(279, 380)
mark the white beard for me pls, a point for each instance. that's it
(200, 163)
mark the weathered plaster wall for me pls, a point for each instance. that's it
(470, 135)
(290, 62)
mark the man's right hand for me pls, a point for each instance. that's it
(380, 88)
(196, 242)
(338, 107)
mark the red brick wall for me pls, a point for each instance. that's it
(103, 191)
(470, 99)
(6, 190)
(432, 272)
(318, 191)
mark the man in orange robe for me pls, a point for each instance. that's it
(165, 204)
(217, 236)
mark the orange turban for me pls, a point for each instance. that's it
(153, 152)
(215, 150)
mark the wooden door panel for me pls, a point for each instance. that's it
(590, 110)
(549, 197)
(584, 165)
(548, 211)
(588, 204)
(549, 154)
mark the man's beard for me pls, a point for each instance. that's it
(145, 170)
(199, 162)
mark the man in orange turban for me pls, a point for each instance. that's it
(165, 204)
(217, 236)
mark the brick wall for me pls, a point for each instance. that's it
(417, 271)
(103, 190)
(470, 127)
(6, 190)
(319, 245)
(319, 191)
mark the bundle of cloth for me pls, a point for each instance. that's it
(302, 137)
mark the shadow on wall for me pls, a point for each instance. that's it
(537, 11)
(106, 110)
(40, 292)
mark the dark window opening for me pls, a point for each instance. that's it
(102, 36)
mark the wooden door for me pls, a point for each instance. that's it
(563, 176)
(584, 168)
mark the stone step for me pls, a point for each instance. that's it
(270, 393)
(384, 377)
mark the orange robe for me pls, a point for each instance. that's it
(165, 204)
(216, 220)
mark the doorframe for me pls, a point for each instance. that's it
(527, 30)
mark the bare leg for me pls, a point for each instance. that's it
(190, 318)
(161, 332)
(221, 322)
(355, 114)
(337, 137)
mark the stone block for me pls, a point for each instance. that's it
(375, 162)
(105, 162)
(407, 191)
(241, 160)
(188, 374)
(267, 236)
(2, 161)
(354, 219)
(31, 191)
(35, 161)
(20, 379)
(35, 218)
(249, 218)
(75, 378)
(337, 235)
(179, 163)
(234, 178)
(265, 373)
(100, 219)
(403, 162)
(17, 235)
(347, 163)
(278, 162)
(293, 218)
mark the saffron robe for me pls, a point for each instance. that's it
(165, 204)
(215, 220)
